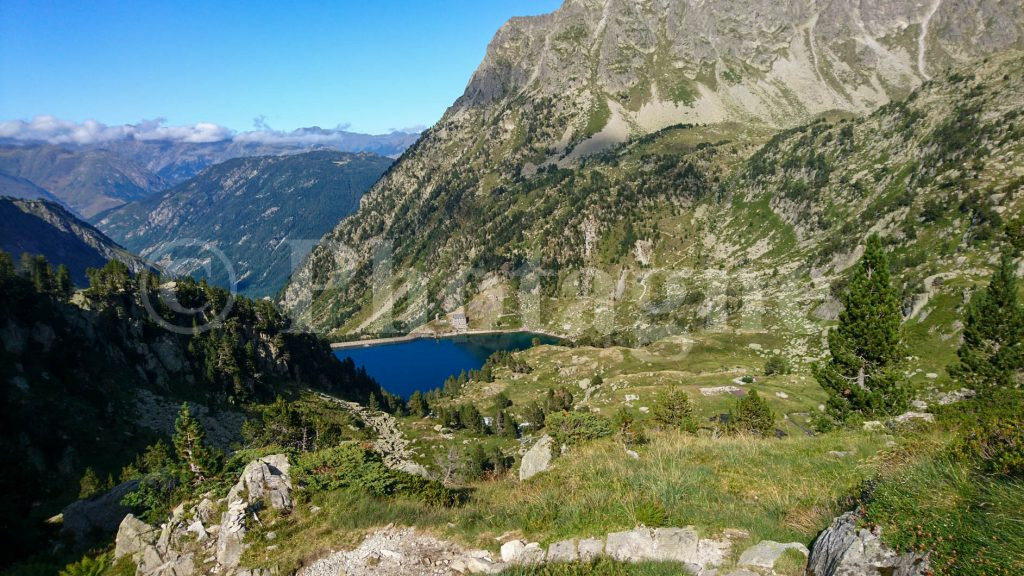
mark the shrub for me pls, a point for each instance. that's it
(350, 466)
(628, 430)
(87, 566)
(752, 416)
(997, 447)
(777, 364)
(571, 428)
(345, 466)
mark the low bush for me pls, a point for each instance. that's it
(777, 364)
(997, 448)
(572, 428)
(350, 466)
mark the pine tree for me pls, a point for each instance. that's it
(417, 405)
(6, 266)
(866, 348)
(675, 411)
(992, 352)
(65, 288)
(41, 274)
(752, 416)
(197, 459)
(535, 415)
(89, 485)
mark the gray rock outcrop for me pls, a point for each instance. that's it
(642, 544)
(766, 553)
(100, 515)
(537, 459)
(152, 549)
(404, 552)
(188, 544)
(263, 480)
(843, 550)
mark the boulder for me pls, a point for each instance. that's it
(146, 547)
(266, 479)
(843, 550)
(564, 551)
(537, 459)
(519, 552)
(631, 546)
(764, 554)
(263, 480)
(231, 537)
(676, 545)
(100, 515)
(133, 536)
(590, 548)
(908, 416)
(511, 550)
(532, 554)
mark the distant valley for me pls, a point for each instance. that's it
(263, 214)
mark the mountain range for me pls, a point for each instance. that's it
(262, 214)
(92, 178)
(579, 123)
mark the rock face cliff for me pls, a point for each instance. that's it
(555, 90)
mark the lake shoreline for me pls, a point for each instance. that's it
(437, 336)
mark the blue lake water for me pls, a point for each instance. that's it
(424, 364)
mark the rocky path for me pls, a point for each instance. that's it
(403, 552)
(921, 300)
(390, 442)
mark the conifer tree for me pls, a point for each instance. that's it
(752, 416)
(65, 288)
(866, 348)
(992, 352)
(6, 266)
(41, 274)
(197, 459)
(675, 411)
(89, 485)
(417, 405)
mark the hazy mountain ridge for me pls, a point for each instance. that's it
(87, 180)
(93, 178)
(264, 213)
(534, 102)
(43, 227)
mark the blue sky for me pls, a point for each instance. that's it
(375, 65)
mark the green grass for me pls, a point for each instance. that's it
(783, 490)
(972, 525)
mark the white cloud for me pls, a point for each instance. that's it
(54, 130)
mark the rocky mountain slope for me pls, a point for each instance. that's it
(554, 89)
(264, 214)
(714, 220)
(43, 227)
